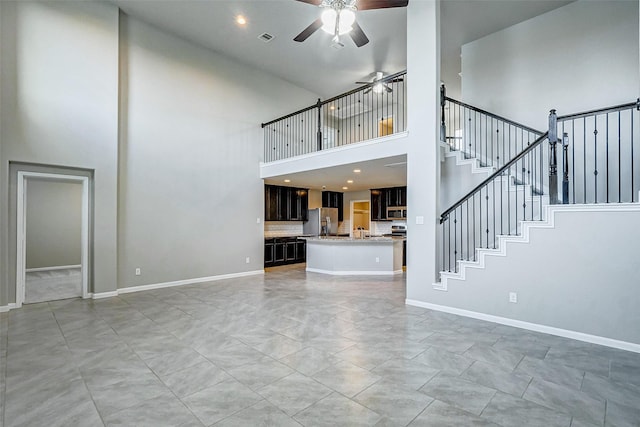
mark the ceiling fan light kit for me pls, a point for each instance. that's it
(340, 22)
(339, 18)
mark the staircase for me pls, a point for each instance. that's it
(598, 166)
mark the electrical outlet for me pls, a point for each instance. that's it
(138, 272)
(377, 259)
(247, 260)
(513, 297)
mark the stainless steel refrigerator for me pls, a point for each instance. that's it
(319, 220)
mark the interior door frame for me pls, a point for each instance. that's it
(351, 209)
(21, 229)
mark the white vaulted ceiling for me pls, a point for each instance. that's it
(314, 64)
(318, 67)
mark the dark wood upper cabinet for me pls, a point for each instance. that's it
(378, 205)
(334, 199)
(382, 198)
(285, 203)
(396, 196)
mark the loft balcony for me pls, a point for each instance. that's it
(373, 114)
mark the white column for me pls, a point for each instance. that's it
(423, 159)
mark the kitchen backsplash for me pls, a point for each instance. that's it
(282, 228)
(294, 228)
(344, 227)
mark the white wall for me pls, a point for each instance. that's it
(59, 104)
(580, 276)
(423, 152)
(576, 58)
(179, 193)
(456, 181)
(54, 223)
(190, 149)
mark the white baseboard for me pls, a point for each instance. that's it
(353, 273)
(6, 308)
(57, 267)
(579, 336)
(101, 295)
(111, 294)
(187, 282)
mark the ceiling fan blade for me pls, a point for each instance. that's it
(379, 4)
(366, 91)
(362, 83)
(387, 88)
(358, 36)
(315, 26)
(313, 2)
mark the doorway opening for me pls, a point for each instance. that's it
(360, 219)
(385, 126)
(52, 237)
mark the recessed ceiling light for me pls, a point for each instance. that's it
(287, 180)
(241, 20)
(350, 181)
(356, 171)
(345, 188)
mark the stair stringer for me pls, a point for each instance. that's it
(525, 226)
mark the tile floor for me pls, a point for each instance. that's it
(291, 349)
(53, 285)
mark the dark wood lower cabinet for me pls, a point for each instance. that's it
(404, 253)
(269, 252)
(284, 250)
(290, 252)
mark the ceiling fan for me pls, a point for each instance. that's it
(378, 86)
(338, 18)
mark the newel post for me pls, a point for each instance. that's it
(443, 126)
(319, 132)
(553, 158)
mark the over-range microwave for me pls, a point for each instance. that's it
(397, 212)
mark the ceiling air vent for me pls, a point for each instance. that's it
(266, 37)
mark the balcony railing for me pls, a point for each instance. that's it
(371, 111)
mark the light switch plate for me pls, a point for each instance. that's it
(419, 220)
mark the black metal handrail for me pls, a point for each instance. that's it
(613, 109)
(499, 172)
(494, 116)
(599, 154)
(496, 207)
(599, 165)
(370, 111)
(477, 133)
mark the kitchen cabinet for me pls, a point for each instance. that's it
(383, 198)
(404, 253)
(301, 250)
(284, 250)
(290, 251)
(298, 199)
(378, 205)
(279, 251)
(269, 252)
(396, 196)
(285, 203)
(334, 199)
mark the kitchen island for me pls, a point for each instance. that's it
(349, 256)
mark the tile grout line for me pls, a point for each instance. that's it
(66, 343)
